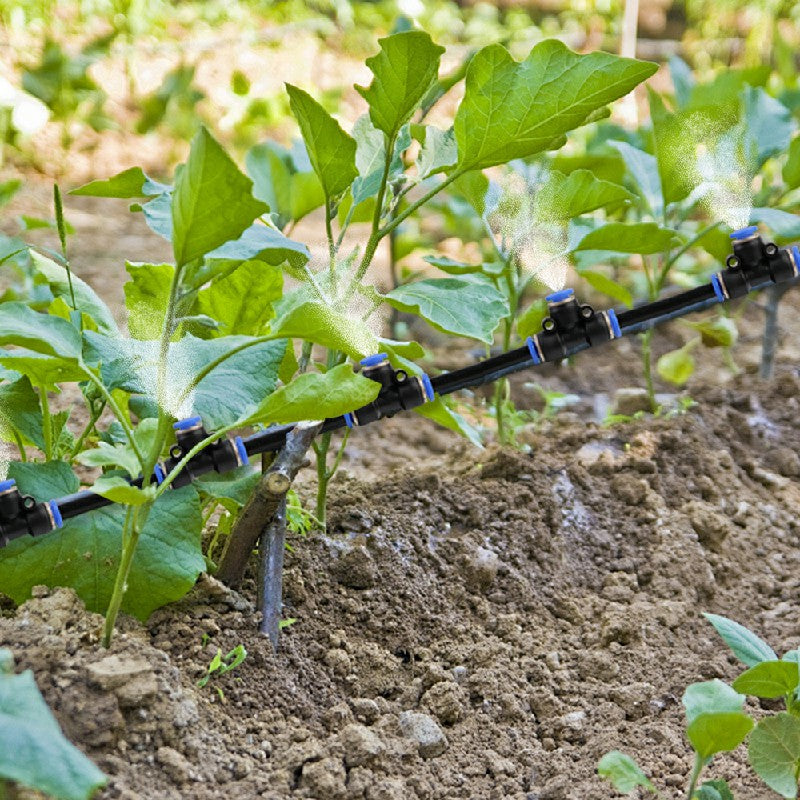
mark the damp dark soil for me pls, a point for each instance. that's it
(484, 630)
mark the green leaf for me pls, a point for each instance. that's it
(530, 321)
(438, 151)
(157, 214)
(42, 333)
(769, 125)
(263, 243)
(768, 679)
(453, 305)
(562, 197)
(404, 70)
(710, 697)
(515, 110)
(606, 285)
(371, 157)
(717, 332)
(146, 298)
(718, 732)
(242, 301)
(127, 184)
(106, 455)
(315, 396)
(774, 752)
(714, 790)
(623, 772)
(20, 412)
(643, 168)
(677, 366)
(8, 189)
(637, 237)
(42, 370)
(451, 266)
(783, 226)
(212, 203)
(682, 79)
(441, 413)
(34, 751)
(86, 300)
(316, 322)
(331, 150)
(791, 169)
(236, 485)
(744, 644)
(116, 488)
(229, 392)
(85, 553)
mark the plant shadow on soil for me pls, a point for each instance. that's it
(484, 630)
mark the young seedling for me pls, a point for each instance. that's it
(220, 665)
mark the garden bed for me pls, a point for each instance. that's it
(538, 610)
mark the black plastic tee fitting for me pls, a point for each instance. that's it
(569, 327)
(21, 515)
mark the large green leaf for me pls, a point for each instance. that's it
(774, 752)
(710, 697)
(126, 184)
(769, 126)
(212, 202)
(146, 298)
(42, 370)
(768, 679)
(562, 197)
(453, 305)
(438, 151)
(265, 244)
(33, 750)
(718, 732)
(20, 413)
(316, 322)
(85, 553)
(643, 168)
(404, 70)
(515, 110)
(22, 326)
(242, 301)
(229, 392)
(782, 225)
(371, 157)
(86, 300)
(318, 396)
(331, 150)
(623, 772)
(744, 644)
(636, 237)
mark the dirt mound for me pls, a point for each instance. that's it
(484, 631)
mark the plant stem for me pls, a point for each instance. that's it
(96, 411)
(685, 248)
(769, 341)
(696, 770)
(321, 451)
(647, 369)
(130, 538)
(47, 424)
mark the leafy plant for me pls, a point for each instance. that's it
(716, 722)
(50, 763)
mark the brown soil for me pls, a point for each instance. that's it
(538, 610)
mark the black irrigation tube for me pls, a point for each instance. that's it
(569, 329)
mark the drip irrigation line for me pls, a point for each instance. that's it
(570, 328)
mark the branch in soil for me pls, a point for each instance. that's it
(264, 503)
(270, 575)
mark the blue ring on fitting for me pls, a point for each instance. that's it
(238, 445)
(189, 422)
(796, 258)
(717, 288)
(744, 233)
(7, 484)
(558, 297)
(614, 322)
(348, 420)
(56, 512)
(371, 361)
(532, 350)
(158, 471)
(428, 386)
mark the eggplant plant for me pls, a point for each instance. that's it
(213, 334)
